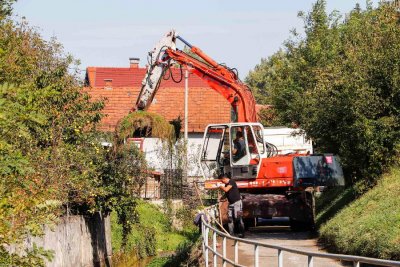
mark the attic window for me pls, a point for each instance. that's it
(108, 84)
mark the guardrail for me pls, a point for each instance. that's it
(206, 228)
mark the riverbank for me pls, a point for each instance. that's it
(153, 237)
(369, 225)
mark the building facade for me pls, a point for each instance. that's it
(119, 87)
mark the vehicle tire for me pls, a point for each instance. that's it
(248, 223)
(298, 226)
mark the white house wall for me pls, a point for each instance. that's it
(152, 147)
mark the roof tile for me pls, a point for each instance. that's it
(205, 105)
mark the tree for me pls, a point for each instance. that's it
(50, 155)
(340, 83)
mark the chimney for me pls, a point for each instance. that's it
(108, 84)
(134, 62)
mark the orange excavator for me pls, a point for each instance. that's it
(272, 184)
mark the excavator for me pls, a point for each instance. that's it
(272, 184)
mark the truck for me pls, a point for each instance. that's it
(275, 180)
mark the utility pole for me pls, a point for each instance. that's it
(186, 124)
(186, 104)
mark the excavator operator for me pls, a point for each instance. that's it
(239, 149)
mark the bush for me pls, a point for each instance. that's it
(50, 155)
(340, 83)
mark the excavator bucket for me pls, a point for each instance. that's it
(155, 70)
(318, 170)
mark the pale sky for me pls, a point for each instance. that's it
(106, 33)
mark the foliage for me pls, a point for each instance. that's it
(124, 175)
(127, 170)
(6, 8)
(182, 256)
(340, 82)
(369, 226)
(151, 233)
(173, 154)
(50, 156)
(33, 257)
(186, 214)
(145, 124)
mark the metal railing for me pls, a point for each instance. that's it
(206, 228)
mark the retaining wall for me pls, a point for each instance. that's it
(78, 241)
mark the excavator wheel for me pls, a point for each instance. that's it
(298, 226)
(249, 222)
(308, 224)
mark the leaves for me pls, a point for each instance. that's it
(340, 83)
(50, 152)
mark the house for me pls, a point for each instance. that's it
(121, 86)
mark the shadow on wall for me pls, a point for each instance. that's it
(100, 234)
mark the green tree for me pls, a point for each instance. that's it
(340, 83)
(50, 156)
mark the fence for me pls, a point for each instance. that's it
(171, 184)
(206, 228)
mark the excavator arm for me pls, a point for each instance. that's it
(219, 77)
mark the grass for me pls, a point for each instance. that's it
(152, 235)
(370, 225)
(331, 201)
(185, 255)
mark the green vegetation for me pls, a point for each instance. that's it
(331, 201)
(51, 159)
(370, 225)
(185, 255)
(50, 155)
(152, 234)
(340, 83)
(145, 124)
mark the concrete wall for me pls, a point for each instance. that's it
(78, 241)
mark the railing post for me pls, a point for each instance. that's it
(205, 229)
(236, 252)
(214, 248)
(280, 258)
(206, 244)
(310, 261)
(203, 236)
(224, 252)
(255, 255)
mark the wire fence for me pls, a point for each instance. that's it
(171, 184)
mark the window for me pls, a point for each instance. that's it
(259, 134)
(239, 145)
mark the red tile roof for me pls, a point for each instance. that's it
(132, 77)
(205, 105)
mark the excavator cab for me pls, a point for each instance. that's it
(234, 149)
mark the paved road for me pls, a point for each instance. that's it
(282, 236)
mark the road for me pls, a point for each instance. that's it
(280, 235)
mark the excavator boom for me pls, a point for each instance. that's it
(219, 77)
(155, 71)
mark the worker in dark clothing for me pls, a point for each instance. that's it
(239, 149)
(235, 204)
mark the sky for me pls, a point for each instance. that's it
(107, 33)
